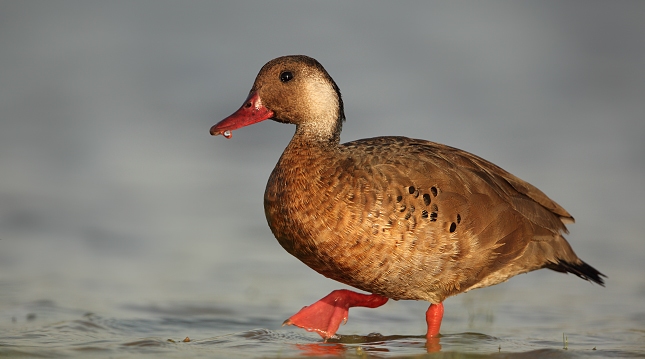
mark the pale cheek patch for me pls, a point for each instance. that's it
(322, 103)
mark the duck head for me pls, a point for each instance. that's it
(291, 89)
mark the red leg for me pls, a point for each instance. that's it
(324, 316)
(433, 318)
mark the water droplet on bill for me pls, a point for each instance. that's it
(227, 134)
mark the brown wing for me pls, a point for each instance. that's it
(444, 221)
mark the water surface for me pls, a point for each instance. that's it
(125, 227)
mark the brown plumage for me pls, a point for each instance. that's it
(397, 217)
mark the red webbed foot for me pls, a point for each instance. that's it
(324, 316)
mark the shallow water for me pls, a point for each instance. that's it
(483, 326)
(125, 227)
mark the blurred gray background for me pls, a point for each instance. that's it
(113, 193)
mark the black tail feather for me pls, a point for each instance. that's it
(582, 270)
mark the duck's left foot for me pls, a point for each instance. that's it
(324, 316)
(434, 315)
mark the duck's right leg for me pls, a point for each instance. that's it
(324, 316)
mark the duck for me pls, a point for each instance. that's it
(395, 217)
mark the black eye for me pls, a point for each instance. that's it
(286, 76)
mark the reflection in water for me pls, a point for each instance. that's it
(432, 344)
(318, 349)
(373, 343)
